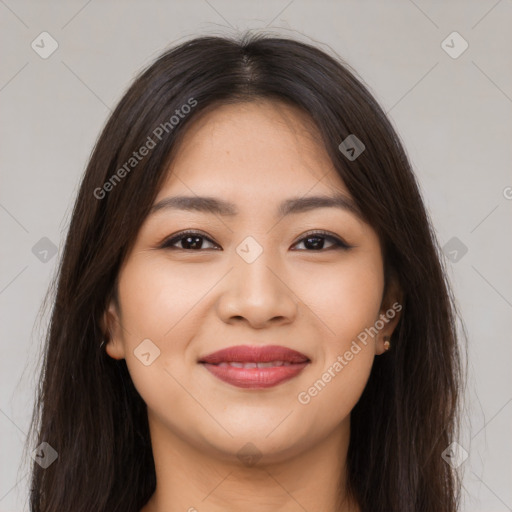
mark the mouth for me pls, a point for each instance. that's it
(255, 366)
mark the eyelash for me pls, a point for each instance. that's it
(338, 243)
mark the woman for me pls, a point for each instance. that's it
(251, 310)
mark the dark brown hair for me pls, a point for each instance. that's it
(87, 408)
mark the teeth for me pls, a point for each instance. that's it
(270, 364)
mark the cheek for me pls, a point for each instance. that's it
(156, 302)
(346, 297)
(348, 305)
(164, 307)
(332, 394)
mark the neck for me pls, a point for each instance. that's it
(189, 479)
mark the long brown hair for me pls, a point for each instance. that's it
(87, 408)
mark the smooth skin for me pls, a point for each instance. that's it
(193, 301)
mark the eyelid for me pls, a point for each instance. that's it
(335, 239)
(167, 243)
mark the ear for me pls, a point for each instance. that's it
(390, 313)
(111, 326)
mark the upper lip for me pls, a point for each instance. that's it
(254, 354)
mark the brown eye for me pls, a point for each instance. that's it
(315, 241)
(195, 241)
(189, 240)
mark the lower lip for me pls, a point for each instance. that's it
(255, 378)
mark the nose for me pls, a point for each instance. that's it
(257, 293)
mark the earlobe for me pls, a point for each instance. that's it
(114, 350)
(390, 314)
(111, 327)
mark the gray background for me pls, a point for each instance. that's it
(453, 114)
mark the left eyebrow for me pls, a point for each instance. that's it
(305, 204)
(224, 208)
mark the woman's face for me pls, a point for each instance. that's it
(253, 275)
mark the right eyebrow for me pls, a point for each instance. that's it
(224, 208)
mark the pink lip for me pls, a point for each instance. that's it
(293, 363)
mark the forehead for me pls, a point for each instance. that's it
(253, 149)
